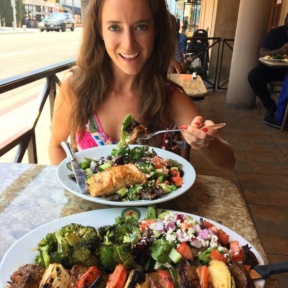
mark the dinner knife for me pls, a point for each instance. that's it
(78, 171)
(265, 271)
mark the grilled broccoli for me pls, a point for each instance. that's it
(107, 234)
(108, 256)
(76, 244)
(65, 246)
(83, 255)
(126, 257)
(124, 230)
(117, 243)
(111, 255)
(76, 233)
(45, 246)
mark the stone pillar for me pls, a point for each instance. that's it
(252, 26)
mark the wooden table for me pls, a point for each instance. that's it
(194, 88)
(31, 195)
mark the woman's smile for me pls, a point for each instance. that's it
(130, 56)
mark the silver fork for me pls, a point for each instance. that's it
(150, 135)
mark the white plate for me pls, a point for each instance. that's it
(23, 250)
(96, 153)
(273, 60)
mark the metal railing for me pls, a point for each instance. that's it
(204, 54)
(225, 43)
(25, 139)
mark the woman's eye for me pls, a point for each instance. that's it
(114, 28)
(142, 27)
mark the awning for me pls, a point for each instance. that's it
(68, 8)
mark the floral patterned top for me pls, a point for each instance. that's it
(93, 135)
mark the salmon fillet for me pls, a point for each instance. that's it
(112, 179)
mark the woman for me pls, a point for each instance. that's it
(122, 68)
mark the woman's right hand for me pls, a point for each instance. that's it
(198, 134)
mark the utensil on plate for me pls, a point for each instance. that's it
(150, 135)
(78, 171)
(265, 271)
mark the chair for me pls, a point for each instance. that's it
(285, 118)
(273, 87)
(282, 106)
(198, 46)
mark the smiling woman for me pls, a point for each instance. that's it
(123, 62)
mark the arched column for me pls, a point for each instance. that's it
(252, 25)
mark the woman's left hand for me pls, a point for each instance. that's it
(198, 134)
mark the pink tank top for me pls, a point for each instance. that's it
(93, 135)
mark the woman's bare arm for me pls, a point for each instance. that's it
(60, 128)
(216, 150)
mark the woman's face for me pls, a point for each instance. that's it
(128, 32)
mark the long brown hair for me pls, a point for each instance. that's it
(93, 77)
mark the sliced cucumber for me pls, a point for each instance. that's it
(175, 256)
(104, 166)
(122, 191)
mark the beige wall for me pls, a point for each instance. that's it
(208, 15)
(220, 16)
(284, 11)
(253, 20)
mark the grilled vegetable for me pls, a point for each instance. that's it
(118, 278)
(203, 274)
(136, 276)
(89, 277)
(55, 276)
(220, 274)
(165, 279)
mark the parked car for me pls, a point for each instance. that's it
(41, 25)
(60, 21)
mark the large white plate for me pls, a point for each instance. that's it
(96, 153)
(23, 250)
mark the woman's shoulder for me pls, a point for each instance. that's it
(176, 93)
(174, 88)
(65, 85)
(69, 73)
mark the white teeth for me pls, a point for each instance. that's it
(130, 56)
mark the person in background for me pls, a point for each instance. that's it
(185, 24)
(177, 20)
(179, 64)
(182, 39)
(275, 42)
(121, 69)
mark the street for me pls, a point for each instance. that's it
(21, 53)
